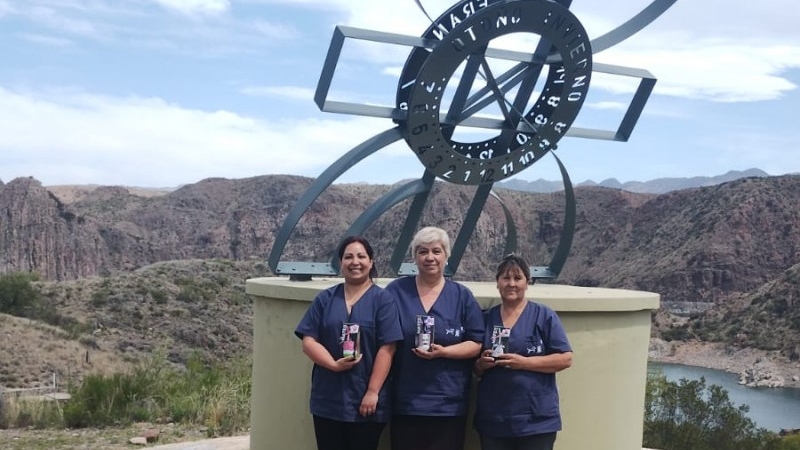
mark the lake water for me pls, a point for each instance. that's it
(770, 408)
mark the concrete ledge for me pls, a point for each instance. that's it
(557, 296)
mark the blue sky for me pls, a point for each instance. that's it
(161, 93)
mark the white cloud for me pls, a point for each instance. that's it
(607, 106)
(724, 72)
(73, 137)
(196, 7)
(274, 30)
(290, 92)
(201, 28)
(52, 19)
(46, 40)
(692, 58)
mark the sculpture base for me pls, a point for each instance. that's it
(602, 394)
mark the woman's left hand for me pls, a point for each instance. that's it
(436, 351)
(368, 404)
(510, 361)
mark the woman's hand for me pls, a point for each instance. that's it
(343, 364)
(461, 350)
(368, 404)
(485, 362)
(511, 361)
(436, 351)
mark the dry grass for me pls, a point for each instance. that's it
(180, 307)
(32, 351)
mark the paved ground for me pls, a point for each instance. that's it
(226, 443)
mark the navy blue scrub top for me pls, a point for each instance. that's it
(338, 395)
(514, 403)
(437, 387)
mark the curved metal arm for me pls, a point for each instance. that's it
(382, 205)
(567, 232)
(327, 177)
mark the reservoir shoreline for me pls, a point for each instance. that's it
(726, 357)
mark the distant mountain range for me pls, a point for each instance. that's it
(657, 186)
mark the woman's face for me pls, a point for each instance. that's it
(512, 284)
(356, 263)
(430, 259)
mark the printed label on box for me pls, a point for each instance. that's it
(424, 336)
(351, 340)
(500, 338)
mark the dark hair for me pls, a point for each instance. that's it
(509, 262)
(373, 272)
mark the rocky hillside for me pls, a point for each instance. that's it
(697, 245)
(104, 324)
(767, 318)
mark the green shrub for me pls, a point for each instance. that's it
(689, 415)
(214, 395)
(791, 442)
(159, 296)
(678, 333)
(18, 297)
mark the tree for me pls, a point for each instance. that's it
(17, 296)
(689, 415)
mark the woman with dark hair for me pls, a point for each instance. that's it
(525, 345)
(443, 330)
(350, 332)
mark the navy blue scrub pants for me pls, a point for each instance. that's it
(543, 441)
(336, 435)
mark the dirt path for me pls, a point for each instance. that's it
(172, 437)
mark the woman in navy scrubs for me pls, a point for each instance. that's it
(432, 375)
(349, 394)
(517, 406)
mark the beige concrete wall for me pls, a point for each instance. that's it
(602, 395)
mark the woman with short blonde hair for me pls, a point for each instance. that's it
(442, 327)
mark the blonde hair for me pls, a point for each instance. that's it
(431, 235)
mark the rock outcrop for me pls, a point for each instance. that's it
(762, 373)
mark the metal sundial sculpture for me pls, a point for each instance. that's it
(457, 43)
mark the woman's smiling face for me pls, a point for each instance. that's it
(356, 263)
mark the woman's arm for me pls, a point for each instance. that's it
(555, 362)
(462, 350)
(380, 371)
(322, 357)
(381, 366)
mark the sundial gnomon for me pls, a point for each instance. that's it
(448, 79)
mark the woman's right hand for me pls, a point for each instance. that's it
(343, 364)
(485, 361)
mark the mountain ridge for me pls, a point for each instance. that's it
(655, 186)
